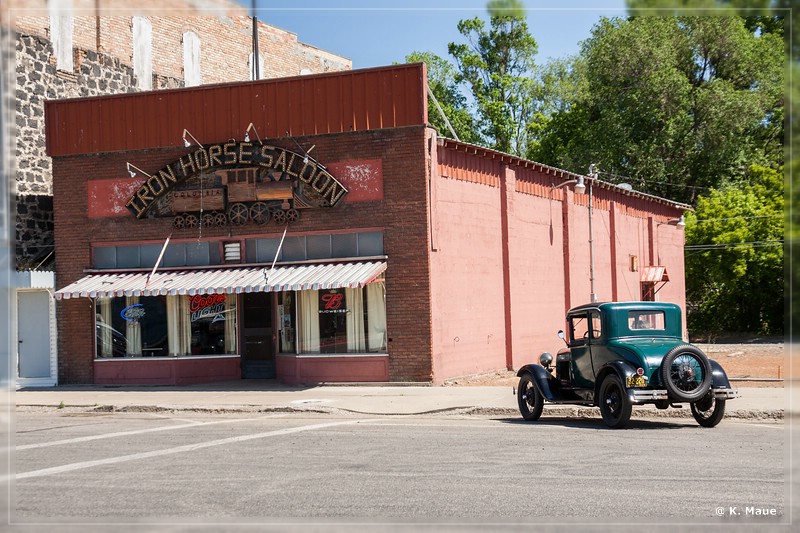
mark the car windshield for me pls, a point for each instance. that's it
(646, 320)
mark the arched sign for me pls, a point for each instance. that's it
(239, 182)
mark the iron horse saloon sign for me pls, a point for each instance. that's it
(237, 183)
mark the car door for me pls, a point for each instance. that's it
(582, 337)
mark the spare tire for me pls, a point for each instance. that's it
(686, 373)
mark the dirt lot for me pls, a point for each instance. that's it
(742, 360)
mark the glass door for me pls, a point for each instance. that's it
(258, 343)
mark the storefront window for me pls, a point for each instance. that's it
(286, 310)
(161, 326)
(212, 321)
(342, 320)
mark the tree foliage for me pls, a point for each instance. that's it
(687, 101)
(734, 261)
(442, 83)
(497, 64)
(675, 103)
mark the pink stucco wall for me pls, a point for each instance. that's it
(467, 288)
(510, 255)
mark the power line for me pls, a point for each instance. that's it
(733, 218)
(754, 244)
(616, 176)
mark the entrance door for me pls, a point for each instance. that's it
(258, 350)
(33, 334)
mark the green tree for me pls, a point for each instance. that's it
(675, 103)
(734, 257)
(442, 83)
(497, 64)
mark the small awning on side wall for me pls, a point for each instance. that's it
(654, 274)
(225, 281)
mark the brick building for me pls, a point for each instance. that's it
(83, 48)
(316, 229)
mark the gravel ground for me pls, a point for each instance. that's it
(747, 364)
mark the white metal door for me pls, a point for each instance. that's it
(33, 334)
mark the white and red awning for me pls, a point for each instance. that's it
(225, 281)
(654, 274)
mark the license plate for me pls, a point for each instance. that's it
(636, 381)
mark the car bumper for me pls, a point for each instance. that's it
(652, 395)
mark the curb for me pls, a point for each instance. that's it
(764, 415)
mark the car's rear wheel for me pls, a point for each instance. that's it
(686, 373)
(708, 411)
(614, 404)
(529, 399)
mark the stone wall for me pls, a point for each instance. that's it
(37, 81)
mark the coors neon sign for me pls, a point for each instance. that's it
(305, 178)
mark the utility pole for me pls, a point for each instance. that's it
(255, 72)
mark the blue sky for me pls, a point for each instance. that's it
(377, 33)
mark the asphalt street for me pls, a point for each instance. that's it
(266, 468)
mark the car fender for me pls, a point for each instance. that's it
(540, 376)
(719, 379)
(622, 369)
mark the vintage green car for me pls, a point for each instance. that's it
(621, 354)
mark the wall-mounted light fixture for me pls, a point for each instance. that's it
(133, 169)
(186, 142)
(680, 221)
(305, 152)
(247, 133)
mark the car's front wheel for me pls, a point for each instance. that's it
(614, 404)
(529, 399)
(709, 411)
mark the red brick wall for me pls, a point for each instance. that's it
(402, 216)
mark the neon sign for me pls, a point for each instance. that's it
(133, 313)
(206, 305)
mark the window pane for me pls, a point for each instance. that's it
(209, 317)
(333, 321)
(174, 255)
(376, 317)
(579, 327)
(128, 257)
(128, 327)
(286, 321)
(370, 243)
(153, 322)
(344, 245)
(148, 254)
(319, 246)
(646, 320)
(342, 320)
(294, 249)
(197, 254)
(105, 257)
(261, 250)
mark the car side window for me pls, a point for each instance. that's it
(596, 329)
(579, 328)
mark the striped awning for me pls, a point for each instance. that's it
(654, 274)
(225, 281)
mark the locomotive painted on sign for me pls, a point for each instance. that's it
(244, 195)
(236, 183)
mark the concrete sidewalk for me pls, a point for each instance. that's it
(270, 395)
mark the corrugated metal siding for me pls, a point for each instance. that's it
(229, 281)
(377, 98)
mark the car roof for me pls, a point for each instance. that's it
(631, 306)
